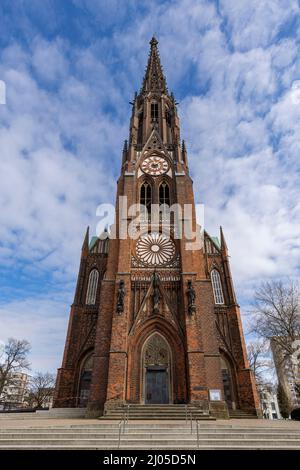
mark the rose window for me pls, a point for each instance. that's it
(155, 249)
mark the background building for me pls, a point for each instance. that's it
(288, 373)
(269, 403)
(14, 394)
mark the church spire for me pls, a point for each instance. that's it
(223, 242)
(154, 79)
(85, 245)
(227, 271)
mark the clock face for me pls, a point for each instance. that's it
(155, 165)
(155, 249)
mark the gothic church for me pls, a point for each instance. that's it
(153, 323)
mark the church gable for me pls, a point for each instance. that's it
(155, 302)
(155, 148)
(212, 245)
(154, 143)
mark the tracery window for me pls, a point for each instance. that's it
(146, 196)
(92, 287)
(164, 194)
(140, 127)
(154, 111)
(217, 287)
(85, 380)
(156, 352)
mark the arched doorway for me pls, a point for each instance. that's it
(157, 370)
(85, 381)
(228, 383)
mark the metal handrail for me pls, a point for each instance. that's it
(197, 428)
(186, 413)
(127, 414)
(191, 419)
(119, 441)
(122, 423)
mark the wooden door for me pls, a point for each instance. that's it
(157, 390)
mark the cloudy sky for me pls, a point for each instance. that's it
(71, 68)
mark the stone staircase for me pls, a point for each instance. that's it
(157, 412)
(242, 414)
(151, 435)
(54, 413)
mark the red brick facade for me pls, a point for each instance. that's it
(170, 320)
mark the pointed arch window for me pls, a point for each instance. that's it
(154, 111)
(91, 293)
(164, 194)
(140, 127)
(217, 287)
(85, 380)
(168, 117)
(146, 196)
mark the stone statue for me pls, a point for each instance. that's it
(120, 297)
(191, 298)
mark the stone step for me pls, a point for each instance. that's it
(165, 447)
(160, 435)
(62, 412)
(145, 435)
(146, 443)
(156, 410)
(156, 417)
(159, 412)
(17, 415)
(149, 412)
(140, 427)
(242, 414)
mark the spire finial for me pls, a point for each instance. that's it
(223, 242)
(153, 41)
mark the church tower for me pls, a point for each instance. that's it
(155, 319)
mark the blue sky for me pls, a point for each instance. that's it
(70, 69)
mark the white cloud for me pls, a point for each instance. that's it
(256, 24)
(67, 113)
(48, 60)
(50, 142)
(43, 322)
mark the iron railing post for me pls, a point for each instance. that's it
(119, 441)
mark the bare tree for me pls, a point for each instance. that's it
(277, 313)
(41, 389)
(259, 361)
(13, 358)
(277, 317)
